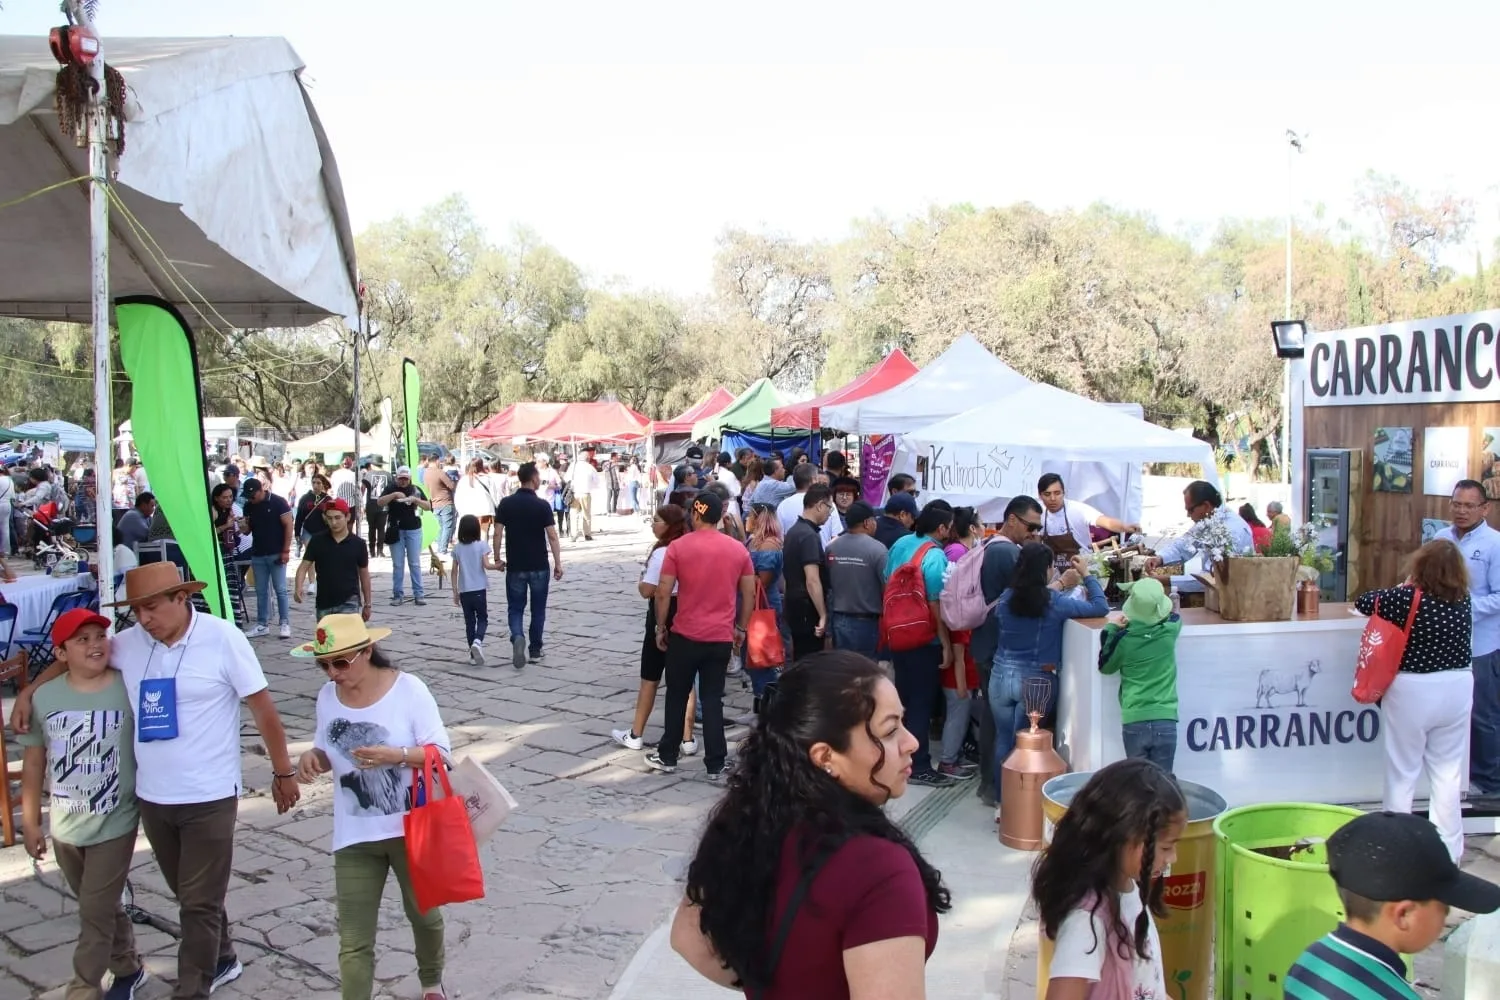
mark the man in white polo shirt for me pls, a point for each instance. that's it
(186, 674)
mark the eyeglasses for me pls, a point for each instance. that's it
(1465, 505)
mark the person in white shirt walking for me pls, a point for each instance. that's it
(1480, 545)
(584, 479)
(187, 674)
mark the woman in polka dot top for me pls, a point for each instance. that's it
(1426, 710)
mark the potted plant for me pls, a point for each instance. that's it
(1249, 587)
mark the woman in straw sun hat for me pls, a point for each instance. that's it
(373, 721)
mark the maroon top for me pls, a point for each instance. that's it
(870, 890)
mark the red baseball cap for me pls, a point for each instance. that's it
(341, 505)
(67, 625)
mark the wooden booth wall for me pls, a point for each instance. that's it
(1389, 527)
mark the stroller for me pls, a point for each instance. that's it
(51, 537)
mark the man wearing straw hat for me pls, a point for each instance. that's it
(186, 673)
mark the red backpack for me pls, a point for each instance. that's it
(906, 622)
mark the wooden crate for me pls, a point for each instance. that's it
(1253, 588)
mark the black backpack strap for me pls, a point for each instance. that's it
(789, 916)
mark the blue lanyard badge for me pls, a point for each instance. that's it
(156, 717)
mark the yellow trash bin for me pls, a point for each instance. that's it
(1187, 931)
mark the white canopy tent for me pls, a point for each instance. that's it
(70, 437)
(993, 452)
(335, 440)
(228, 177)
(964, 376)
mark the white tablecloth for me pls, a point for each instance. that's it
(33, 597)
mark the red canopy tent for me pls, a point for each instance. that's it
(710, 405)
(893, 369)
(566, 422)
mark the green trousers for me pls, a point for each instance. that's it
(359, 873)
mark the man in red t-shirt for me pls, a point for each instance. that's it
(712, 572)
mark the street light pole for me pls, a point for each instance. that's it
(1293, 146)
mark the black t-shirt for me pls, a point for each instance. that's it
(526, 518)
(408, 516)
(338, 566)
(267, 533)
(377, 484)
(803, 547)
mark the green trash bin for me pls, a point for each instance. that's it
(1275, 896)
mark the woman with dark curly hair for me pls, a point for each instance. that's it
(802, 886)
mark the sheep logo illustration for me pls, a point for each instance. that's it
(1290, 682)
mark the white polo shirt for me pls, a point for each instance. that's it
(216, 669)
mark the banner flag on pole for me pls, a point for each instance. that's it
(166, 421)
(411, 400)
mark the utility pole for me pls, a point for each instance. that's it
(1293, 147)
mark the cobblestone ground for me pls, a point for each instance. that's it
(575, 880)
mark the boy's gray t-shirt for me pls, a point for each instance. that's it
(90, 742)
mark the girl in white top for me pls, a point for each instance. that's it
(373, 721)
(1100, 881)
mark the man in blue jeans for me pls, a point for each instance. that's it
(1480, 545)
(530, 530)
(404, 504)
(268, 519)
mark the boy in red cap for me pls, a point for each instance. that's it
(85, 744)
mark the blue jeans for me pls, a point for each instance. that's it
(476, 615)
(916, 683)
(1154, 741)
(1484, 725)
(447, 517)
(406, 552)
(268, 569)
(1007, 684)
(856, 634)
(516, 586)
(760, 679)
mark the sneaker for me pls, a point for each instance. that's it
(476, 653)
(518, 652)
(626, 738)
(930, 779)
(419, 601)
(397, 601)
(689, 748)
(654, 761)
(722, 772)
(227, 971)
(124, 988)
(286, 630)
(536, 655)
(258, 631)
(436, 993)
(960, 772)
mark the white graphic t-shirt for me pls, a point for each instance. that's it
(1079, 952)
(369, 804)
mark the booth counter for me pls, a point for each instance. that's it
(1264, 708)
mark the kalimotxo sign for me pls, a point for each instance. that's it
(1451, 359)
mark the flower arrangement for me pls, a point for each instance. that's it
(1211, 536)
(1303, 544)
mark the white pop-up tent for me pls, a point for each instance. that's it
(993, 452)
(964, 376)
(334, 441)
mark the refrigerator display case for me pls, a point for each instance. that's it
(1332, 502)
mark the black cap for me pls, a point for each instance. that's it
(901, 503)
(708, 507)
(858, 513)
(249, 488)
(693, 452)
(1389, 857)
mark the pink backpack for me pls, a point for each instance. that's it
(962, 601)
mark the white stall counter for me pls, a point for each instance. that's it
(1264, 708)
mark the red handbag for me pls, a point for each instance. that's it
(763, 645)
(440, 850)
(1380, 651)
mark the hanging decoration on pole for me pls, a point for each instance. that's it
(411, 399)
(166, 420)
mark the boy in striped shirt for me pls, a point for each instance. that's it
(1396, 880)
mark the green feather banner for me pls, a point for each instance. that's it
(411, 401)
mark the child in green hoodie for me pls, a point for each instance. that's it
(1143, 652)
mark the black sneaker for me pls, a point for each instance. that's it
(227, 971)
(124, 987)
(930, 779)
(536, 655)
(722, 772)
(654, 761)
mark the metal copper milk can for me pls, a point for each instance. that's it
(1030, 765)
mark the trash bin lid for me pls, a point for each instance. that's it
(1203, 802)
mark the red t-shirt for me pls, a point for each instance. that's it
(868, 891)
(708, 566)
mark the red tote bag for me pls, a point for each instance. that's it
(440, 848)
(1380, 651)
(763, 646)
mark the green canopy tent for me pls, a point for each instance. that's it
(750, 413)
(6, 434)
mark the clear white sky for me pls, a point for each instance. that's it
(629, 135)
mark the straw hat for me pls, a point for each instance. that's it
(340, 634)
(154, 580)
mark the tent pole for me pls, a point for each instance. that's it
(359, 335)
(98, 138)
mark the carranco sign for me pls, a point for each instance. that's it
(1448, 359)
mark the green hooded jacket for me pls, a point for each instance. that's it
(1145, 657)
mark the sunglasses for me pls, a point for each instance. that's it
(341, 662)
(1032, 527)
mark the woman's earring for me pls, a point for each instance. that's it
(829, 770)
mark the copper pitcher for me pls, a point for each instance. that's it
(1032, 764)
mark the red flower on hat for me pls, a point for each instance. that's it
(322, 637)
